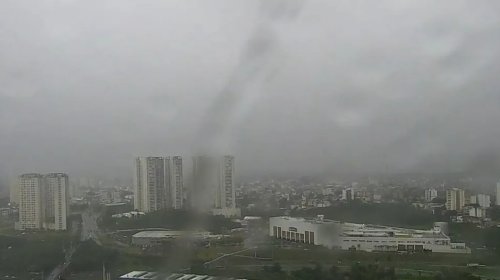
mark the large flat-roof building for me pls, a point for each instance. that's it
(362, 237)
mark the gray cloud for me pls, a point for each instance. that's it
(286, 86)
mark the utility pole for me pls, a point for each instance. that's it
(103, 272)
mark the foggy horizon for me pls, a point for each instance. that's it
(296, 86)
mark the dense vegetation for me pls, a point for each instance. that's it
(385, 214)
(477, 237)
(171, 219)
(355, 272)
(22, 254)
(91, 256)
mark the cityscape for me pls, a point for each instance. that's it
(196, 205)
(249, 140)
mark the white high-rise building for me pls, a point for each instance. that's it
(55, 201)
(149, 182)
(430, 194)
(455, 199)
(176, 183)
(205, 182)
(227, 195)
(498, 194)
(43, 201)
(30, 201)
(213, 183)
(158, 183)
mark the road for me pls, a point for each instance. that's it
(59, 270)
(89, 231)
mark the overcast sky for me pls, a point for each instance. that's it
(299, 86)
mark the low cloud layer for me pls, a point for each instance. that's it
(286, 86)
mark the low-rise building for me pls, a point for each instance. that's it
(227, 212)
(154, 238)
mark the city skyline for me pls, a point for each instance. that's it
(251, 140)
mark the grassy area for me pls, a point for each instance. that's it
(291, 258)
(31, 252)
(294, 258)
(391, 214)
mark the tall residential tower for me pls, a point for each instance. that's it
(213, 183)
(30, 201)
(158, 183)
(498, 194)
(56, 200)
(455, 199)
(43, 201)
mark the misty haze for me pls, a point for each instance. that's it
(256, 139)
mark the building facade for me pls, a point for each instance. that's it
(158, 183)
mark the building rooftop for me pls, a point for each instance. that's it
(146, 275)
(140, 275)
(353, 229)
(170, 234)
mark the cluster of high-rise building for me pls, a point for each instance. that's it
(43, 201)
(473, 205)
(160, 183)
